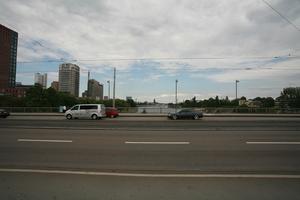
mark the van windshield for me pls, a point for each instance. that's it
(74, 108)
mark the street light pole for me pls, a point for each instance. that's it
(114, 89)
(108, 89)
(176, 83)
(236, 90)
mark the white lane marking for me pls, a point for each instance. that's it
(38, 140)
(286, 143)
(41, 171)
(128, 142)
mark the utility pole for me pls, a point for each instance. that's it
(236, 90)
(108, 89)
(114, 89)
(176, 83)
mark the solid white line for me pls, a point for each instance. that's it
(269, 176)
(38, 140)
(286, 143)
(127, 142)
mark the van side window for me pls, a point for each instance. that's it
(83, 107)
(75, 108)
(94, 107)
(88, 107)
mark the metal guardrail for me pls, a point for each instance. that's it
(31, 109)
(162, 110)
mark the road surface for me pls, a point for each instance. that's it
(213, 158)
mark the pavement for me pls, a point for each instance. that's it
(211, 158)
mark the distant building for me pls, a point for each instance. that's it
(18, 84)
(85, 94)
(105, 98)
(8, 57)
(242, 102)
(250, 103)
(41, 79)
(253, 104)
(18, 91)
(55, 85)
(68, 78)
(95, 90)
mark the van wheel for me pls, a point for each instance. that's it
(69, 116)
(94, 116)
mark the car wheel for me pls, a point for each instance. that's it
(196, 117)
(69, 116)
(94, 116)
(174, 117)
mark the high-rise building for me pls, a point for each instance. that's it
(8, 57)
(68, 78)
(95, 90)
(55, 85)
(41, 79)
(84, 94)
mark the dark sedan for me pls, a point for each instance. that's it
(185, 114)
(4, 113)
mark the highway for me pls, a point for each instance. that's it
(150, 158)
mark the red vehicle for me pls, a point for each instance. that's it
(112, 112)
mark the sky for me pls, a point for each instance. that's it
(205, 45)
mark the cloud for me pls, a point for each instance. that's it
(92, 32)
(282, 69)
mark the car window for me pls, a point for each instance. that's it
(88, 107)
(75, 108)
(185, 111)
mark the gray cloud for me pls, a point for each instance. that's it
(171, 28)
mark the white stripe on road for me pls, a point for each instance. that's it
(40, 171)
(127, 142)
(286, 143)
(37, 140)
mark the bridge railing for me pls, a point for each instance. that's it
(162, 110)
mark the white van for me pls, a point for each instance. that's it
(86, 111)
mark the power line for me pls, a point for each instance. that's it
(281, 15)
(195, 69)
(157, 59)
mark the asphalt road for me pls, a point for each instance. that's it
(155, 158)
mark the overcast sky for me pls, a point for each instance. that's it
(231, 39)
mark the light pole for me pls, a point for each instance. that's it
(176, 83)
(236, 90)
(108, 82)
(114, 89)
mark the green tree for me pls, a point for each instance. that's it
(131, 103)
(290, 97)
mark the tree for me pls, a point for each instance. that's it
(268, 102)
(194, 100)
(243, 98)
(290, 97)
(131, 103)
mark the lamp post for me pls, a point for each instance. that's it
(236, 90)
(108, 82)
(176, 84)
(114, 89)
